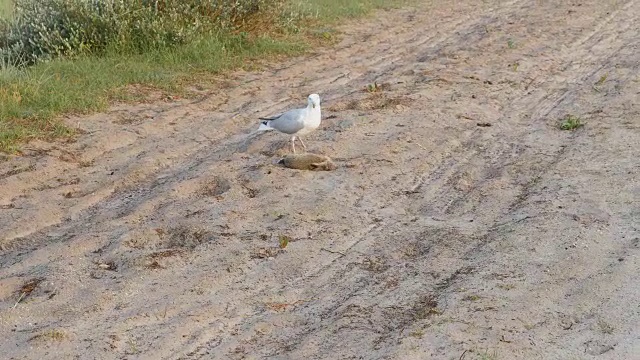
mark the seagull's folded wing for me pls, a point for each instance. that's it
(290, 122)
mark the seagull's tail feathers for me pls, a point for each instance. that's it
(265, 125)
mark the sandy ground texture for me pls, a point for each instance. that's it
(461, 222)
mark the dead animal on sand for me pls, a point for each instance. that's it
(296, 122)
(308, 161)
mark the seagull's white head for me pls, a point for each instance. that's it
(314, 100)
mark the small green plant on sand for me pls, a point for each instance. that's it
(570, 122)
(284, 241)
(486, 355)
(373, 87)
(597, 84)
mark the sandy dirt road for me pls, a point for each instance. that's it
(461, 222)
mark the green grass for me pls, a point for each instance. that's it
(486, 355)
(6, 7)
(32, 99)
(332, 10)
(570, 122)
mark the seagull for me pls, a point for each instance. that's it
(295, 122)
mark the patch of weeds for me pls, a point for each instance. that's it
(375, 101)
(511, 44)
(570, 122)
(375, 264)
(471, 297)
(515, 66)
(416, 250)
(85, 163)
(182, 237)
(284, 241)
(276, 215)
(601, 81)
(6, 9)
(486, 355)
(417, 333)
(394, 101)
(133, 348)
(50, 335)
(598, 83)
(332, 10)
(325, 34)
(375, 87)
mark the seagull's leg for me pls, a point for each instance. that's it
(301, 142)
(293, 144)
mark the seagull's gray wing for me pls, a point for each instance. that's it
(290, 122)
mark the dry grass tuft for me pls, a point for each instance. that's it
(51, 335)
(183, 237)
(375, 101)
